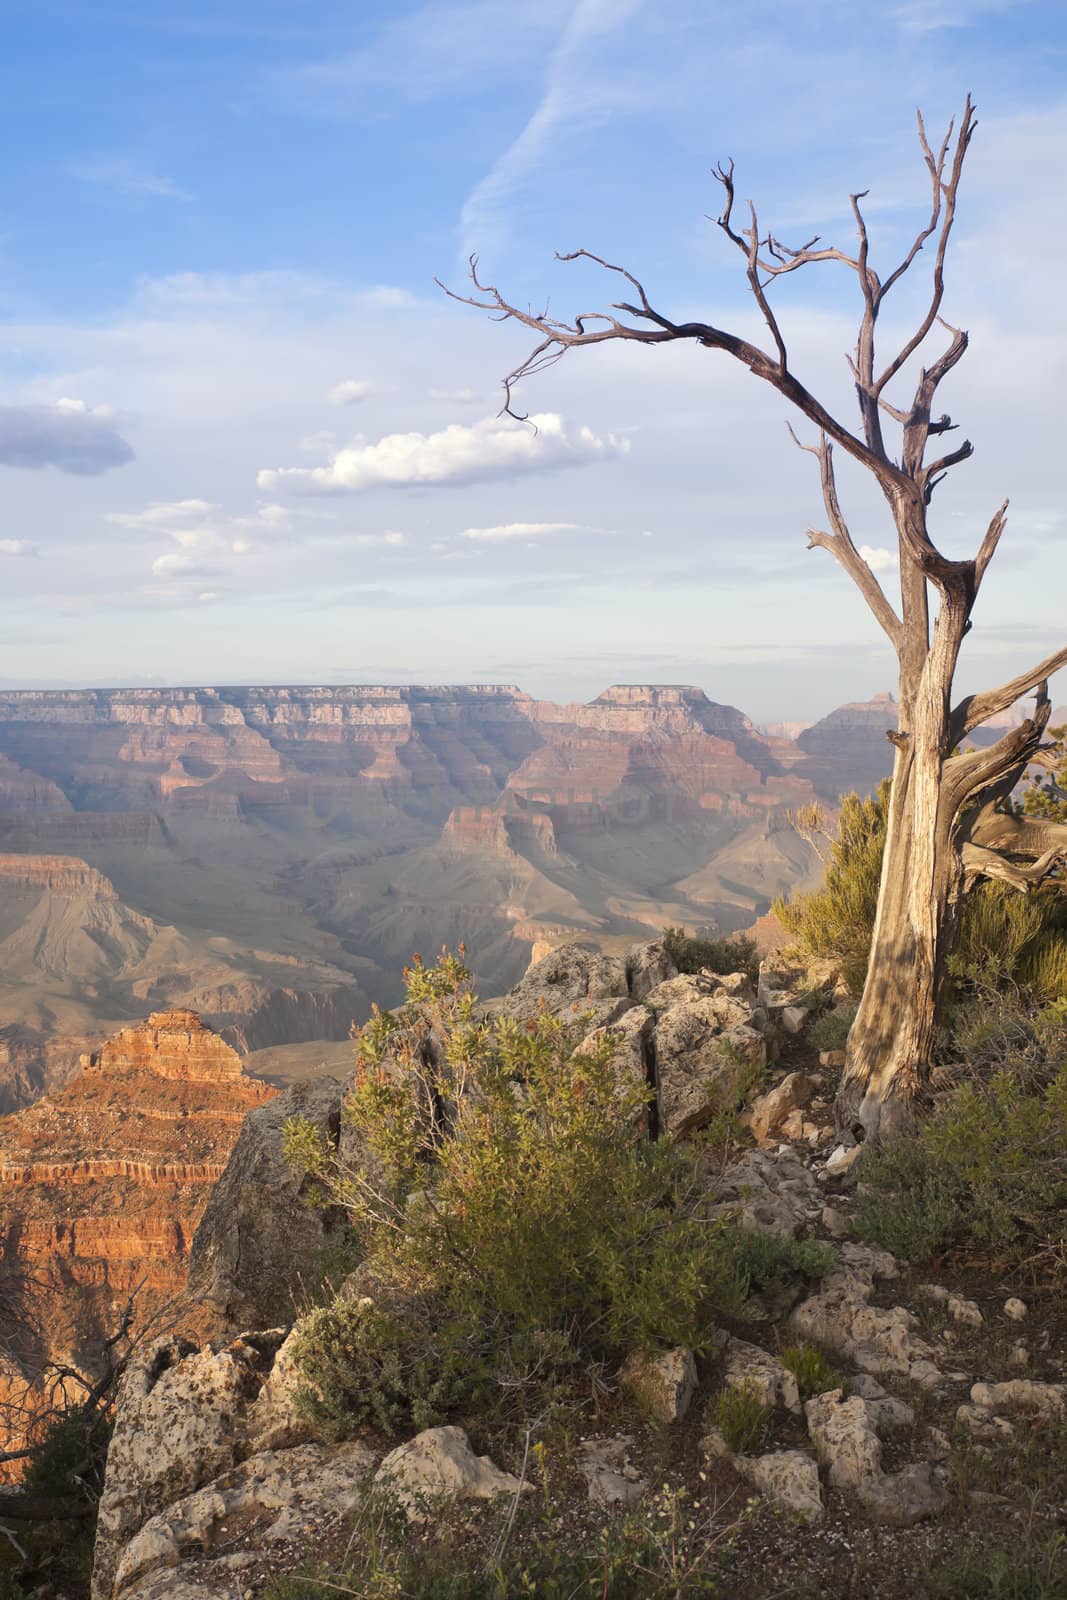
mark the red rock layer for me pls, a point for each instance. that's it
(102, 1185)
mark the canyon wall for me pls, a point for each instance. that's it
(102, 1185)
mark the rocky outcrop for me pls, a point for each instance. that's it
(260, 1244)
(103, 1183)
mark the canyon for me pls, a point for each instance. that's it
(269, 857)
(102, 1185)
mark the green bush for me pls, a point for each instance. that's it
(742, 1419)
(1005, 939)
(1028, 1568)
(988, 1168)
(810, 1368)
(734, 953)
(766, 1260)
(510, 1200)
(830, 1031)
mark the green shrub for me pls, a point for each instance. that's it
(837, 919)
(734, 953)
(1005, 939)
(988, 1168)
(510, 1199)
(742, 1419)
(765, 1260)
(810, 1368)
(830, 1031)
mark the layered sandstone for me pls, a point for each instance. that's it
(103, 1183)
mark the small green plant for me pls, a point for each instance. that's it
(764, 1260)
(742, 1419)
(511, 1211)
(989, 1168)
(830, 1031)
(1030, 1568)
(732, 953)
(810, 1368)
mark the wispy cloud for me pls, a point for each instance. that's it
(127, 175)
(18, 547)
(350, 391)
(520, 530)
(571, 95)
(494, 448)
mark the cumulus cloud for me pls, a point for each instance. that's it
(520, 530)
(877, 559)
(17, 547)
(495, 447)
(69, 435)
(350, 392)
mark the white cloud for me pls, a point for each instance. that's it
(17, 547)
(496, 447)
(878, 559)
(350, 391)
(520, 530)
(162, 514)
(175, 565)
(70, 435)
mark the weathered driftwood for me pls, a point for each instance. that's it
(944, 827)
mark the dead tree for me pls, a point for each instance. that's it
(944, 826)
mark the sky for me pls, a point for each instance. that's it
(244, 437)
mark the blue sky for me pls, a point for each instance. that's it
(243, 437)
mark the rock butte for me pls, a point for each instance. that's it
(103, 1183)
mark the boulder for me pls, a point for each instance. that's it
(179, 1423)
(1022, 1394)
(439, 1463)
(886, 1412)
(631, 1037)
(770, 1191)
(746, 1366)
(788, 1479)
(901, 1499)
(880, 1340)
(844, 1438)
(646, 966)
(793, 1018)
(275, 1495)
(794, 1093)
(983, 1424)
(703, 1049)
(663, 1384)
(259, 1244)
(575, 980)
(610, 1478)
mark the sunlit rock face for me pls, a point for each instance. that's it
(103, 1183)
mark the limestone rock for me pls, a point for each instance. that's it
(901, 1499)
(880, 1340)
(844, 1438)
(842, 1159)
(609, 1477)
(573, 981)
(770, 1191)
(789, 1479)
(259, 1244)
(439, 1462)
(631, 1037)
(663, 1384)
(276, 1494)
(793, 1018)
(794, 1093)
(178, 1425)
(273, 1421)
(1022, 1394)
(984, 1424)
(699, 1044)
(746, 1366)
(963, 1311)
(1015, 1309)
(646, 966)
(887, 1413)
